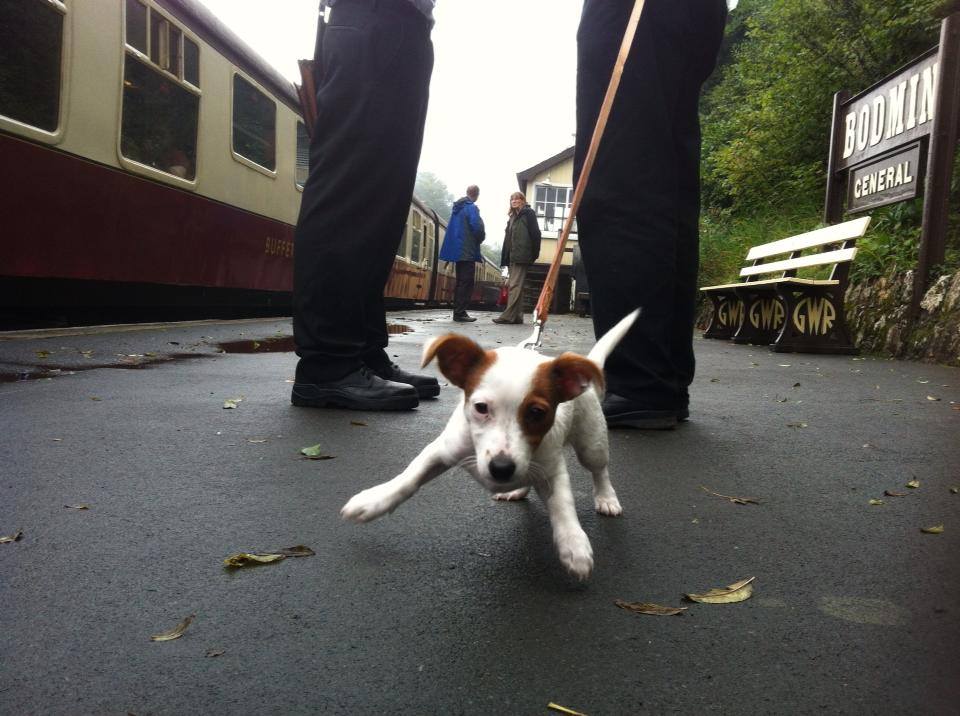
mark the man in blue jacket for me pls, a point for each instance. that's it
(461, 245)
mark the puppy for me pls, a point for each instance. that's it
(519, 409)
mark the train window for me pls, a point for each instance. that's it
(428, 246)
(159, 125)
(191, 62)
(254, 124)
(31, 46)
(137, 25)
(303, 154)
(416, 237)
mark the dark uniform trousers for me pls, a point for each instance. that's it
(373, 74)
(638, 220)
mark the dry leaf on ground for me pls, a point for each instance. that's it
(734, 500)
(248, 559)
(875, 502)
(891, 493)
(176, 632)
(358, 423)
(796, 425)
(648, 608)
(736, 592)
(81, 506)
(955, 490)
(314, 452)
(913, 483)
(930, 397)
(935, 530)
(231, 403)
(563, 709)
(215, 652)
(15, 537)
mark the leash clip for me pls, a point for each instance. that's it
(533, 342)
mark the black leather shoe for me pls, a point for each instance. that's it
(425, 385)
(463, 318)
(508, 323)
(621, 412)
(359, 390)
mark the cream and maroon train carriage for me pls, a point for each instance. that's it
(149, 157)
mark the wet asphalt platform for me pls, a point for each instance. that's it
(456, 604)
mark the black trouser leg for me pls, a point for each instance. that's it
(374, 71)
(638, 218)
(464, 287)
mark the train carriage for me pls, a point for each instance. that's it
(149, 157)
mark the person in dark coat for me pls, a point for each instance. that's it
(461, 245)
(638, 220)
(521, 247)
(372, 67)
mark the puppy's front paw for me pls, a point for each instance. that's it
(513, 495)
(608, 505)
(370, 504)
(576, 554)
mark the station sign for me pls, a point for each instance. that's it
(892, 178)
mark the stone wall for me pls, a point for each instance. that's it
(877, 311)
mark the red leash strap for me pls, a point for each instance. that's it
(549, 285)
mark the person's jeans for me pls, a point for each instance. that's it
(463, 289)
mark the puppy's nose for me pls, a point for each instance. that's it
(502, 468)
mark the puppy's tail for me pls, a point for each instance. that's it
(609, 340)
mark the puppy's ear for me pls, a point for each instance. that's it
(458, 357)
(572, 374)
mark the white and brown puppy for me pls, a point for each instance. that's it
(519, 409)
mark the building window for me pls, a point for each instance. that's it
(31, 48)
(552, 204)
(161, 112)
(303, 155)
(416, 237)
(254, 124)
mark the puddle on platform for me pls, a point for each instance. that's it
(267, 345)
(130, 362)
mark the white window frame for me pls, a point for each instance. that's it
(542, 218)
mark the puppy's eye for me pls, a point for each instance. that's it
(535, 412)
(481, 408)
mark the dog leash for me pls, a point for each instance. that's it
(541, 312)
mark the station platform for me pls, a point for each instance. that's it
(456, 604)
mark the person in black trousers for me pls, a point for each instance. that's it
(373, 64)
(639, 216)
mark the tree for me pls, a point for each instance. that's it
(432, 191)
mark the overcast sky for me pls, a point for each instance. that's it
(502, 93)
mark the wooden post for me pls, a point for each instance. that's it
(836, 185)
(943, 142)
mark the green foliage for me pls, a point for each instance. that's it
(431, 190)
(766, 122)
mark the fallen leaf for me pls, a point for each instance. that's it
(249, 440)
(923, 381)
(935, 530)
(314, 452)
(891, 493)
(796, 385)
(247, 559)
(95, 399)
(215, 652)
(955, 490)
(734, 500)
(648, 608)
(913, 483)
(176, 632)
(43, 354)
(784, 365)
(930, 397)
(736, 592)
(563, 709)
(358, 423)
(796, 425)
(875, 502)
(15, 537)
(714, 380)
(231, 403)
(81, 506)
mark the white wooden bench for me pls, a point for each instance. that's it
(793, 314)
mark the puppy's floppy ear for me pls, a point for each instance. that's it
(572, 374)
(457, 357)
